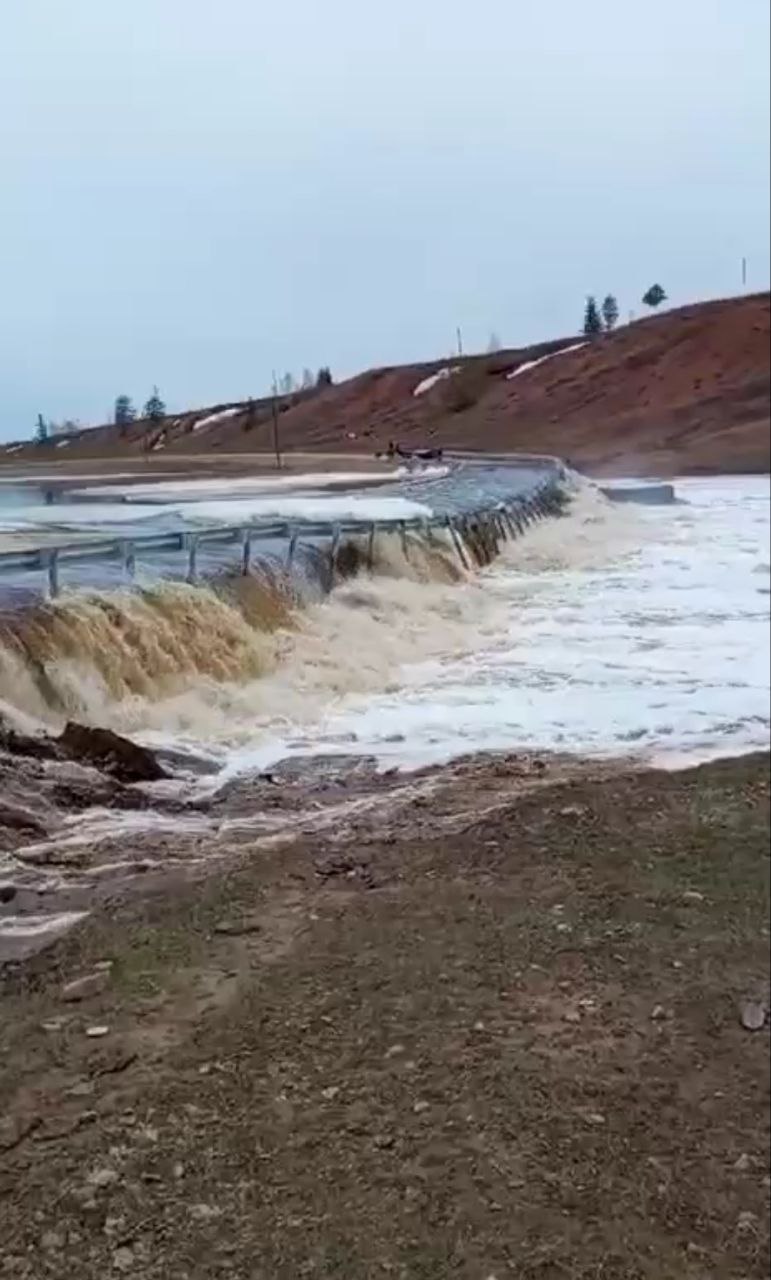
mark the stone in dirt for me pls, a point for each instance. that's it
(81, 988)
(108, 751)
(753, 1015)
(123, 1260)
(235, 928)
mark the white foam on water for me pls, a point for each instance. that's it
(418, 470)
(98, 824)
(19, 927)
(617, 631)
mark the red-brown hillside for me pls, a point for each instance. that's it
(687, 390)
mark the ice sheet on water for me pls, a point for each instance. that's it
(337, 507)
(192, 490)
(103, 515)
(91, 516)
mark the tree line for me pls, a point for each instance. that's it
(599, 318)
(603, 317)
(154, 409)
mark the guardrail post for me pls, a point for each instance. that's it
(476, 538)
(333, 555)
(495, 533)
(129, 559)
(472, 536)
(405, 543)
(461, 525)
(192, 566)
(246, 552)
(481, 550)
(458, 542)
(52, 558)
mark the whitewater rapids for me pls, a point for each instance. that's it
(612, 631)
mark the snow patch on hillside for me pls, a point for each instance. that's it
(428, 383)
(531, 364)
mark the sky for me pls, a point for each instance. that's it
(193, 194)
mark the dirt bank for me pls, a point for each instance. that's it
(684, 391)
(491, 1028)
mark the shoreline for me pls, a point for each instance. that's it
(437, 1028)
(101, 842)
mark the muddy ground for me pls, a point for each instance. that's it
(498, 1033)
(684, 391)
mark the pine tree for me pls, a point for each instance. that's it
(609, 312)
(125, 413)
(41, 430)
(155, 409)
(324, 377)
(654, 296)
(592, 318)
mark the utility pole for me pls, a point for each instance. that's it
(274, 408)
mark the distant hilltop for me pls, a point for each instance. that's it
(686, 390)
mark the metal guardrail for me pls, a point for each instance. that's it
(504, 519)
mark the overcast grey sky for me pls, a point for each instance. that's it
(195, 192)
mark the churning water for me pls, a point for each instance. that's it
(613, 630)
(617, 630)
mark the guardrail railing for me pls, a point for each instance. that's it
(477, 528)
